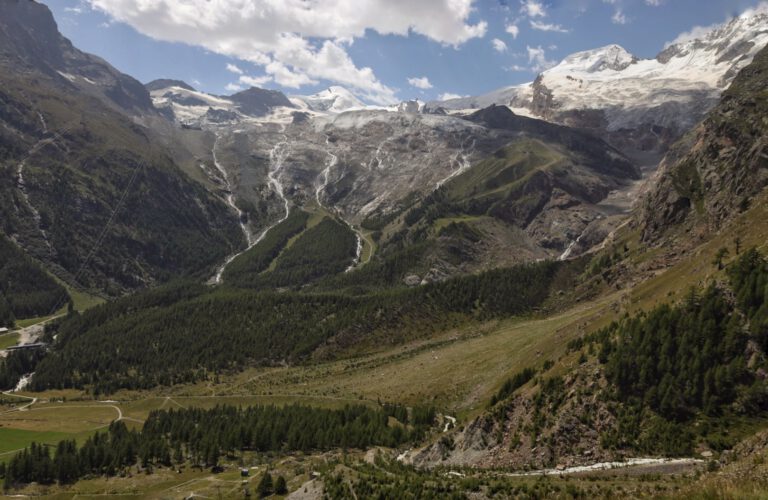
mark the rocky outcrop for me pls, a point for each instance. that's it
(715, 172)
(526, 432)
(259, 102)
(30, 41)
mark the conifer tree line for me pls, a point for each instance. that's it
(202, 436)
(26, 290)
(680, 362)
(187, 332)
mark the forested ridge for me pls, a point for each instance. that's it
(322, 250)
(697, 362)
(247, 266)
(184, 332)
(25, 289)
(202, 436)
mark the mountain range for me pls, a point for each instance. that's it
(450, 295)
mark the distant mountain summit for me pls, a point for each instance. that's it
(642, 103)
(164, 83)
(334, 99)
(259, 102)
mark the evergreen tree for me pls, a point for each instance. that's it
(265, 485)
(281, 487)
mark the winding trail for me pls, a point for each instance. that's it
(277, 157)
(18, 408)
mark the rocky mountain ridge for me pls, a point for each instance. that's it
(640, 104)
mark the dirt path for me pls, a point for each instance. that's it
(19, 408)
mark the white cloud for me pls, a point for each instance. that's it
(276, 34)
(548, 27)
(537, 57)
(533, 8)
(449, 95)
(233, 87)
(513, 30)
(619, 17)
(653, 3)
(254, 81)
(517, 68)
(233, 68)
(499, 45)
(420, 82)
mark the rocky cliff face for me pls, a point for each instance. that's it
(30, 41)
(718, 168)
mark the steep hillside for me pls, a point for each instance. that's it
(30, 43)
(678, 373)
(715, 172)
(84, 189)
(26, 290)
(540, 194)
(679, 378)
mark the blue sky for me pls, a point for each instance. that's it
(383, 50)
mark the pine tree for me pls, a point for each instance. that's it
(265, 485)
(281, 488)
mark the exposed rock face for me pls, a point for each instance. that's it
(164, 83)
(720, 166)
(259, 102)
(569, 436)
(30, 40)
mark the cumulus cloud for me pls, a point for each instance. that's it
(537, 25)
(233, 68)
(499, 45)
(421, 82)
(533, 8)
(513, 30)
(254, 81)
(653, 3)
(298, 42)
(233, 87)
(537, 57)
(448, 95)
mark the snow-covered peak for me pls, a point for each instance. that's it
(334, 99)
(611, 57)
(673, 90)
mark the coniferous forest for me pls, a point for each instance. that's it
(118, 345)
(25, 289)
(679, 363)
(201, 437)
